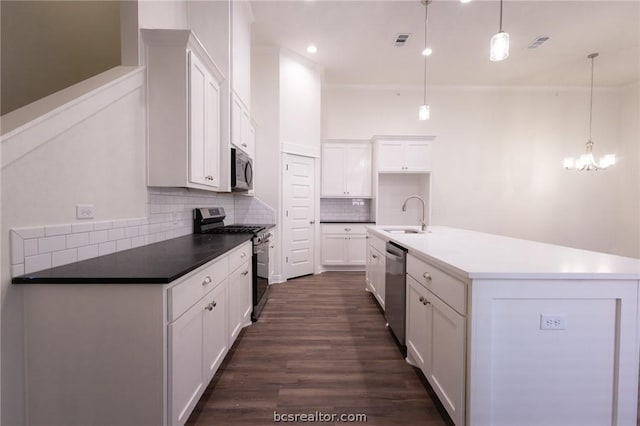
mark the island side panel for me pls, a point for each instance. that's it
(95, 354)
(582, 374)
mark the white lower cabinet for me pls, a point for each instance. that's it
(240, 301)
(133, 354)
(376, 264)
(344, 244)
(198, 344)
(435, 338)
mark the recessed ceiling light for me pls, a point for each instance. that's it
(465, 1)
(427, 52)
(312, 49)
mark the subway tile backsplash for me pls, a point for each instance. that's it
(345, 209)
(169, 215)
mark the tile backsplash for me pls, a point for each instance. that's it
(169, 215)
(345, 209)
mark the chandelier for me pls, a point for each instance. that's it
(586, 161)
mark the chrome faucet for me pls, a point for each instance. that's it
(422, 221)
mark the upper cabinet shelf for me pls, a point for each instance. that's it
(184, 101)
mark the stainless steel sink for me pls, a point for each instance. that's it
(403, 231)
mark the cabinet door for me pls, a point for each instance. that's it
(198, 80)
(185, 363)
(380, 271)
(356, 249)
(333, 167)
(370, 268)
(334, 249)
(245, 133)
(417, 156)
(204, 122)
(418, 334)
(358, 171)
(390, 156)
(214, 308)
(240, 301)
(212, 129)
(446, 370)
(236, 121)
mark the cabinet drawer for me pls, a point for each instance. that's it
(184, 294)
(240, 255)
(451, 290)
(377, 243)
(344, 228)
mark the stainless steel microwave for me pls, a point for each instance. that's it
(241, 171)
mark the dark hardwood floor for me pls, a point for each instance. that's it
(320, 345)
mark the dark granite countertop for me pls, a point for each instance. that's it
(348, 221)
(157, 263)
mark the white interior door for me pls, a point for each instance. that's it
(299, 211)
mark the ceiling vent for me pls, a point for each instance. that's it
(401, 39)
(537, 42)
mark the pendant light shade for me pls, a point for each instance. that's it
(499, 46)
(424, 113)
(499, 43)
(587, 161)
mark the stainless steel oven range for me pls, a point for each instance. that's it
(211, 220)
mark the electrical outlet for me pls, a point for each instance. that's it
(85, 211)
(553, 322)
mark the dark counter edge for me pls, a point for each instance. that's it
(25, 279)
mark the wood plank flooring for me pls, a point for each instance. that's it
(320, 345)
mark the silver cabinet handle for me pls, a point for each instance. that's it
(206, 281)
(426, 302)
(245, 272)
(245, 145)
(347, 229)
(311, 222)
(426, 276)
(243, 255)
(272, 246)
(421, 299)
(209, 307)
(375, 256)
(214, 304)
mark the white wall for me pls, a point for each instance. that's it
(99, 161)
(498, 155)
(300, 105)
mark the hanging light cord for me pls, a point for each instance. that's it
(426, 14)
(592, 56)
(500, 15)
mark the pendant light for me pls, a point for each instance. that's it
(499, 43)
(424, 113)
(586, 161)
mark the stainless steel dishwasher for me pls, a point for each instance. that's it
(395, 292)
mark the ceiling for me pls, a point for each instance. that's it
(355, 40)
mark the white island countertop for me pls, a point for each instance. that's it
(476, 255)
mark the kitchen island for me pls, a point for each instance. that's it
(514, 332)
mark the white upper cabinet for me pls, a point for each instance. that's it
(241, 127)
(403, 156)
(183, 95)
(346, 170)
(241, 18)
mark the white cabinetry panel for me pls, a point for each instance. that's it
(343, 244)
(346, 170)
(403, 156)
(183, 95)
